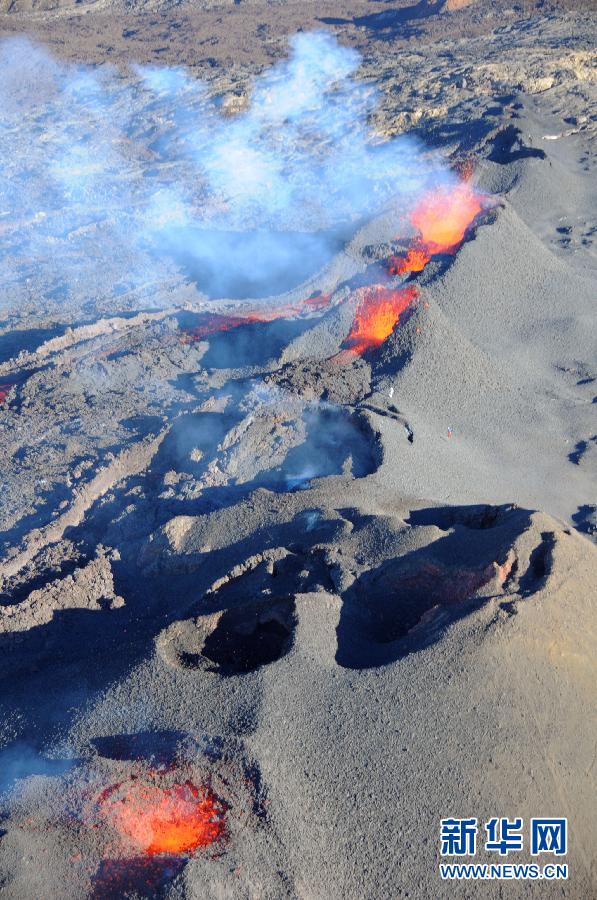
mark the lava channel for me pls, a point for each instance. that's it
(212, 323)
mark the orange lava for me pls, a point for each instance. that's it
(465, 168)
(415, 260)
(443, 216)
(441, 219)
(378, 311)
(215, 322)
(317, 300)
(174, 819)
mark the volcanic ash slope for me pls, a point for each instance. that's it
(385, 668)
(504, 358)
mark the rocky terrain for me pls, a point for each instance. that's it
(299, 455)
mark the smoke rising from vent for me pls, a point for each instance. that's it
(112, 180)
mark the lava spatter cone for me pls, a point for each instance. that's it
(175, 818)
(441, 220)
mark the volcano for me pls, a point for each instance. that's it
(443, 219)
(298, 460)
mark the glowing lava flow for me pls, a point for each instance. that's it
(378, 310)
(175, 819)
(442, 219)
(215, 322)
(212, 323)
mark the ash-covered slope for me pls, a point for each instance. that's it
(343, 675)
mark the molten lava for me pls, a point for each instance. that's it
(414, 260)
(318, 300)
(443, 216)
(378, 311)
(175, 819)
(441, 219)
(214, 322)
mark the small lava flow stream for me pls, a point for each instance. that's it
(5, 389)
(378, 310)
(213, 323)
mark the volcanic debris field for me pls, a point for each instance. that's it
(298, 443)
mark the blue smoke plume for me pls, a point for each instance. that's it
(110, 180)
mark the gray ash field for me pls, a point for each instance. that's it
(298, 444)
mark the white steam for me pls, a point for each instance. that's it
(112, 180)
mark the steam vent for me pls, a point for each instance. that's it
(298, 449)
